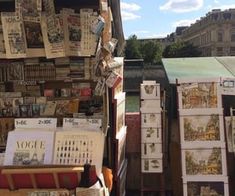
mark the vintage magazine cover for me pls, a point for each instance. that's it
(30, 10)
(79, 148)
(15, 72)
(34, 38)
(14, 35)
(2, 43)
(48, 7)
(72, 32)
(53, 36)
(29, 148)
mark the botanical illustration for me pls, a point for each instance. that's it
(120, 116)
(205, 188)
(200, 95)
(151, 150)
(152, 165)
(151, 119)
(201, 128)
(203, 162)
(151, 134)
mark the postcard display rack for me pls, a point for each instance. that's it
(55, 69)
(203, 152)
(151, 133)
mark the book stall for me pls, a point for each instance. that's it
(62, 105)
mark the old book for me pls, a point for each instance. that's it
(29, 148)
(49, 109)
(14, 35)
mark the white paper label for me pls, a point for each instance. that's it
(41, 123)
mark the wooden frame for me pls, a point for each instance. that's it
(50, 176)
(202, 163)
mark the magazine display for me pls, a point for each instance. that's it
(72, 32)
(53, 36)
(29, 148)
(14, 35)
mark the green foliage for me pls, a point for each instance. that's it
(181, 49)
(151, 52)
(132, 50)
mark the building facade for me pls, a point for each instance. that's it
(214, 34)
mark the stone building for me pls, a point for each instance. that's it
(214, 34)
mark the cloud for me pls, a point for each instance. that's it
(130, 6)
(129, 16)
(185, 22)
(181, 6)
(127, 11)
(216, 1)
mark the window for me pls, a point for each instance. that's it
(220, 36)
(232, 51)
(233, 37)
(219, 51)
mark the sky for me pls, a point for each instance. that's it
(157, 18)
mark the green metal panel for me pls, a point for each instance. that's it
(197, 67)
(228, 62)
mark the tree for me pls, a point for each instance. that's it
(181, 49)
(132, 50)
(151, 52)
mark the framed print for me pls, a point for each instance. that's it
(120, 103)
(151, 120)
(117, 89)
(201, 130)
(199, 95)
(204, 162)
(151, 105)
(205, 187)
(152, 165)
(151, 134)
(29, 148)
(151, 150)
(150, 90)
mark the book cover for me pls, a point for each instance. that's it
(29, 148)
(48, 109)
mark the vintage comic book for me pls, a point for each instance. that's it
(72, 32)
(29, 148)
(53, 36)
(29, 10)
(14, 35)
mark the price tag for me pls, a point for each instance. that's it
(40, 123)
(90, 124)
(68, 122)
